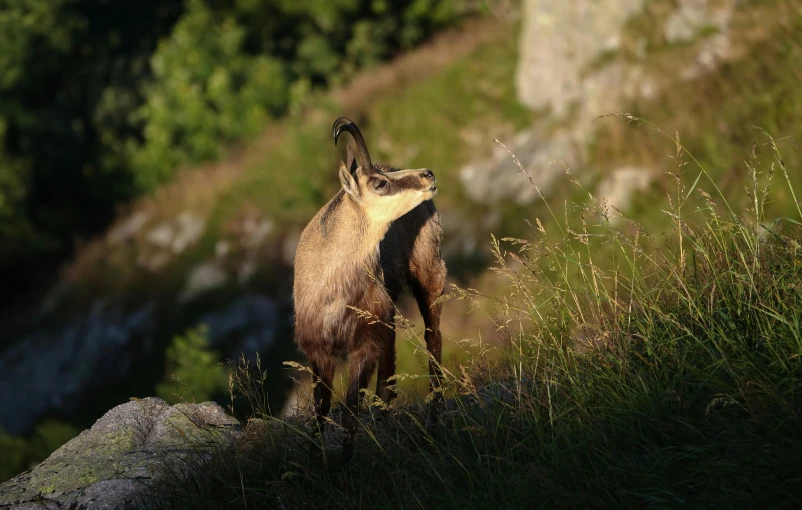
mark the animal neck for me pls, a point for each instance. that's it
(364, 236)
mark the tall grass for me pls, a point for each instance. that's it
(640, 371)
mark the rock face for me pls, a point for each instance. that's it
(54, 369)
(570, 70)
(253, 320)
(558, 40)
(693, 16)
(115, 463)
(501, 179)
(619, 187)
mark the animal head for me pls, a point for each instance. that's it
(383, 193)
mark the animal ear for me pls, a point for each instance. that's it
(350, 160)
(348, 181)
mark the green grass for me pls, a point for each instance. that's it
(669, 379)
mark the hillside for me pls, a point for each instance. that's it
(215, 246)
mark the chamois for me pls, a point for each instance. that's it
(379, 235)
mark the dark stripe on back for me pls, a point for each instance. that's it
(324, 219)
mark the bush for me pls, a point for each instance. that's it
(20, 453)
(70, 77)
(193, 371)
(206, 93)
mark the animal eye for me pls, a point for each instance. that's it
(380, 184)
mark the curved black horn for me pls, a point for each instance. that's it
(344, 124)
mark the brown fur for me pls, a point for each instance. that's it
(362, 250)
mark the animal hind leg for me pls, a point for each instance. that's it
(361, 366)
(384, 389)
(322, 378)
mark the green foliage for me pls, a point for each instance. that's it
(15, 228)
(100, 102)
(14, 457)
(21, 453)
(70, 74)
(194, 372)
(25, 23)
(206, 92)
(221, 76)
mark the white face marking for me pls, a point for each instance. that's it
(384, 208)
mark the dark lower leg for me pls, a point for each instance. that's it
(434, 344)
(386, 390)
(358, 381)
(322, 378)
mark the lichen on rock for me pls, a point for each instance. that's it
(115, 463)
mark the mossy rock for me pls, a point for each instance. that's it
(116, 462)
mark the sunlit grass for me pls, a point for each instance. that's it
(640, 370)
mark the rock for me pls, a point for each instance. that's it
(50, 370)
(189, 229)
(129, 228)
(618, 187)
(712, 51)
(686, 22)
(255, 231)
(558, 41)
(117, 462)
(155, 261)
(253, 319)
(178, 233)
(560, 72)
(202, 278)
(693, 16)
(690, 20)
(499, 178)
(161, 236)
(222, 248)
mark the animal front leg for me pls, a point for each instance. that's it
(427, 279)
(434, 344)
(426, 293)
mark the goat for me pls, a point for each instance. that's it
(379, 235)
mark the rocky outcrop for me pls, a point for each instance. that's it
(55, 369)
(618, 188)
(52, 369)
(570, 70)
(169, 239)
(116, 463)
(501, 179)
(558, 41)
(252, 321)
